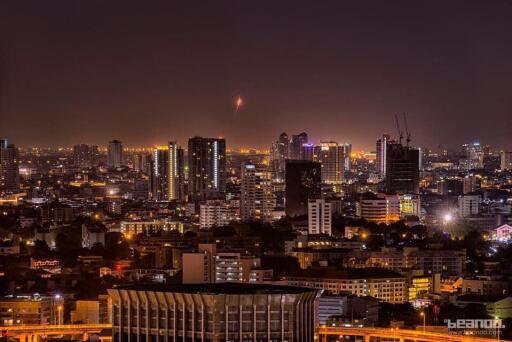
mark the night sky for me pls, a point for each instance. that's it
(146, 72)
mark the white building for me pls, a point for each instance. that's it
(506, 160)
(502, 233)
(257, 199)
(380, 208)
(469, 205)
(216, 214)
(319, 217)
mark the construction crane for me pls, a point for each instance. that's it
(399, 130)
(408, 138)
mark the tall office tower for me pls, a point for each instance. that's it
(347, 152)
(85, 155)
(9, 172)
(303, 182)
(308, 151)
(505, 160)
(279, 154)
(142, 163)
(173, 177)
(380, 162)
(296, 151)
(402, 169)
(319, 217)
(115, 154)
(206, 168)
(257, 199)
(474, 155)
(159, 185)
(330, 155)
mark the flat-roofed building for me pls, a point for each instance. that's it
(383, 284)
(213, 312)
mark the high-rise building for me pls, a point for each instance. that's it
(319, 217)
(206, 167)
(474, 155)
(347, 152)
(303, 182)
(175, 173)
(402, 169)
(505, 160)
(85, 155)
(159, 182)
(296, 151)
(381, 150)
(9, 171)
(330, 156)
(279, 153)
(257, 200)
(142, 163)
(115, 154)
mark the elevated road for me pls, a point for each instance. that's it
(399, 335)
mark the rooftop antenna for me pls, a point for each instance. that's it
(408, 139)
(399, 130)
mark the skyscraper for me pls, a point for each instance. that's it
(207, 167)
(303, 182)
(330, 155)
(381, 151)
(115, 154)
(9, 172)
(279, 153)
(159, 184)
(257, 200)
(347, 152)
(402, 169)
(296, 151)
(175, 172)
(85, 155)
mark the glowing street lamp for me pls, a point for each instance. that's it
(447, 218)
(422, 314)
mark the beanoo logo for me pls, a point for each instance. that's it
(483, 326)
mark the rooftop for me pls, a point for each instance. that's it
(215, 289)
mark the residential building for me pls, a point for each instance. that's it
(319, 217)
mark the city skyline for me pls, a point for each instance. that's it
(339, 71)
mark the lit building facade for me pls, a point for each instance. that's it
(206, 167)
(9, 168)
(379, 208)
(330, 156)
(227, 312)
(257, 199)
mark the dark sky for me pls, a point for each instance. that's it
(146, 72)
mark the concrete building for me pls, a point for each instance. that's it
(206, 168)
(93, 234)
(402, 169)
(132, 228)
(356, 311)
(410, 205)
(319, 217)
(213, 312)
(9, 167)
(115, 154)
(257, 199)
(381, 153)
(385, 285)
(303, 182)
(380, 208)
(31, 310)
(330, 155)
(86, 312)
(505, 160)
(469, 205)
(216, 213)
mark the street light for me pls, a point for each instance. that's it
(59, 311)
(422, 314)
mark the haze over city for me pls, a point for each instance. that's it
(90, 71)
